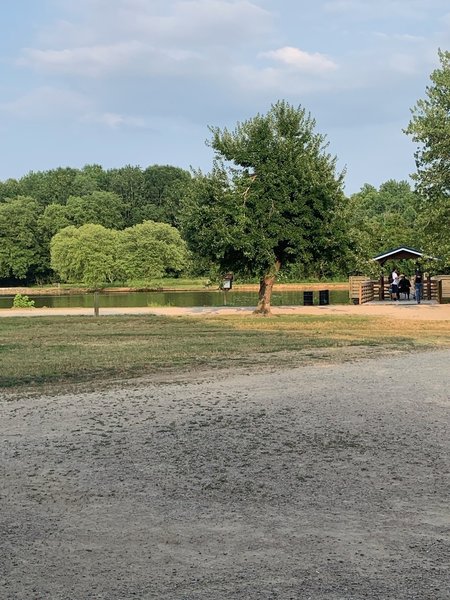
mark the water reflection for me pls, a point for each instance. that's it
(182, 298)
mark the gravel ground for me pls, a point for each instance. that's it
(320, 482)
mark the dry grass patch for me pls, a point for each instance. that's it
(63, 349)
(351, 328)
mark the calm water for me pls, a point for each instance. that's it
(200, 298)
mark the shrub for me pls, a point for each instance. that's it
(22, 301)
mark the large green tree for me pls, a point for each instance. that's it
(85, 254)
(21, 253)
(95, 255)
(429, 127)
(270, 200)
(150, 250)
(379, 220)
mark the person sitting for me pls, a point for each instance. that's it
(404, 286)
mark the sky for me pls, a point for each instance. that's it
(138, 82)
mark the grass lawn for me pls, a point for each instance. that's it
(58, 350)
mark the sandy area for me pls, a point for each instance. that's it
(325, 482)
(396, 310)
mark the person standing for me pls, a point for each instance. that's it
(418, 285)
(394, 285)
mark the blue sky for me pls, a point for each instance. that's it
(118, 82)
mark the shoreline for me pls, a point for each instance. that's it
(243, 287)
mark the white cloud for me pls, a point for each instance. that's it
(400, 37)
(46, 102)
(114, 120)
(303, 61)
(148, 37)
(92, 60)
(196, 22)
(414, 10)
(248, 80)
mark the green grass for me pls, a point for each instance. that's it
(37, 351)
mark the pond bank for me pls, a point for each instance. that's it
(244, 287)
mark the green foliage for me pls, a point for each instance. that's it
(379, 220)
(113, 198)
(54, 218)
(20, 249)
(164, 187)
(153, 193)
(276, 200)
(94, 255)
(22, 301)
(86, 254)
(150, 250)
(103, 208)
(91, 178)
(9, 189)
(429, 127)
(48, 187)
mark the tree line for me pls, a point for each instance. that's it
(272, 206)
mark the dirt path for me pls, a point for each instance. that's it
(396, 310)
(325, 482)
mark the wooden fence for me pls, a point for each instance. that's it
(445, 286)
(362, 289)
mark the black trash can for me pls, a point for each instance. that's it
(308, 299)
(324, 297)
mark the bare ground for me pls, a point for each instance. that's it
(427, 311)
(326, 481)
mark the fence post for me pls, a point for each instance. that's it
(381, 290)
(96, 304)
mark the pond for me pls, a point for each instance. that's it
(174, 298)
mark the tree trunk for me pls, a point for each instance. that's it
(265, 291)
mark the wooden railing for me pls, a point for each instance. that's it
(366, 292)
(354, 283)
(444, 292)
(362, 289)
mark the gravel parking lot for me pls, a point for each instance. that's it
(328, 481)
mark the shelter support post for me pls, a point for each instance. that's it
(381, 290)
(428, 286)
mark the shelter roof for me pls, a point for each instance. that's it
(403, 252)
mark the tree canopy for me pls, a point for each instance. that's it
(115, 198)
(20, 250)
(270, 200)
(378, 220)
(430, 128)
(85, 254)
(95, 255)
(150, 249)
